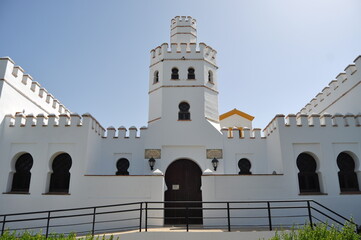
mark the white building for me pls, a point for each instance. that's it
(52, 158)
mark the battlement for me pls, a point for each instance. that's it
(23, 83)
(183, 21)
(344, 82)
(312, 121)
(183, 51)
(73, 120)
(112, 133)
(183, 30)
(244, 133)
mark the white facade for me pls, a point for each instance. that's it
(34, 122)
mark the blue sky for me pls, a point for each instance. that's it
(274, 56)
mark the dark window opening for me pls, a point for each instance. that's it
(22, 176)
(156, 77)
(347, 176)
(210, 76)
(122, 166)
(191, 74)
(184, 113)
(244, 166)
(307, 177)
(175, 74)
(60, 178)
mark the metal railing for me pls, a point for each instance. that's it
(231, 215)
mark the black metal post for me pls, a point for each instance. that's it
(187, 218)
(309, 213)
(140, 216)
(3, 227)
(47, 225)
(93, 226)
(228, 217)
(146, 217)
(269, 216)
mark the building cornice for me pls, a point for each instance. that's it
(183, 59)
(178, 86)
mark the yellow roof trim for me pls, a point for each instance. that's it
(235, 112)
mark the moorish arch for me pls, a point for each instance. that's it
(347, 173)
(22, 175)
(183, 180)
(60, 176)
(308, 179)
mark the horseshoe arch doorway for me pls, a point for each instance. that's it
(183, 180)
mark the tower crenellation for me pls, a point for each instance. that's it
(183, 21)
(183, 30)
(180, 50)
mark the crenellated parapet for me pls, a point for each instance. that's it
(24, 84)
(312, 121)
(74, 120)
(183, 51)
(336, 89)
(123, 133)
(243, 133)
(183, 21)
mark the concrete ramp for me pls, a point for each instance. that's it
(203, 235)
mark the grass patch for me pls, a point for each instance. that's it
(319, 232)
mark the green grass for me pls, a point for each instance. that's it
(319, 232)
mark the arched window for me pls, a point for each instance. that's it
(122, 166)
(244, 166)
(347, 176)
(156, 77)
(21, 178)
(60, 178)
(184, 113)
(175, 74)
(191, 74)
(210, 76)
(307, 177)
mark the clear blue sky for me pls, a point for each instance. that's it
(274, 56)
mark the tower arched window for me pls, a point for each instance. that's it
(122, 167)
(175, 73)
(244, 166)
(184, 113)
(156, 77)
(210, 76)
(191, 73)
(307, 177)
(347, 176)
(60, 178)
(22, 176)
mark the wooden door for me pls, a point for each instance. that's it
(183, 180)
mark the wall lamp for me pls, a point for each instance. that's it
(215, 163)
(151, 162)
